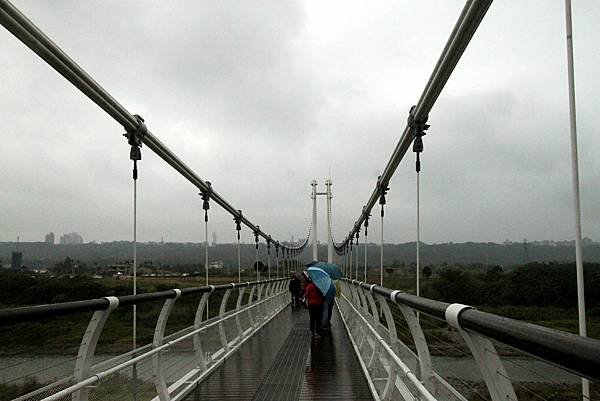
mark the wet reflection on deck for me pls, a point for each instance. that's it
(282, 363)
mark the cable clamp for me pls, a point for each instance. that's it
(383, 189)
(113, 302)
(417, 128)
(366, 223)
(453, 312)
(205, 195)
(135, 138)
(238, 223)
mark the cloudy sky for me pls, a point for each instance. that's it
(260, 97)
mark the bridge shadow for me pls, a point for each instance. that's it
(282, 362)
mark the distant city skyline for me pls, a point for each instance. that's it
(76, 238)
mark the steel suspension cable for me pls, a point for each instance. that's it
(135, 259)
(269, 256)
(346, 261)
(238, 227)
(257, 265)
(418, 239)
(351, 255)
(382, 201)
(418, 129)
(206, 206)
(30, 35)
(366, 242)
(206, 250)
(357, 249)
(135, 154)
(381, 253)
(464, 29)
(277, 257)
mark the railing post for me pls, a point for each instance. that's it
(222, 310)
(88, 346)
(259, 297)
(418, 336)
(390, 322)
(265, 305)
(374, 312)
(363, 301)
(492, 369)
(250, 302)
(273, 302)
(160, 381)
(201, 359)
(281, 295)
(390, 383)
(238, 321)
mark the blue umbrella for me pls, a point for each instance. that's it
(334, 272)
(320, 278)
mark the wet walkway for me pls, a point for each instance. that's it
(282, 363)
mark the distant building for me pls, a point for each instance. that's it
(71, 238)
(49, 238)
(218, 264)
(16, 261)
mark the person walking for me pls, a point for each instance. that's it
(314, 301)
(294, 288)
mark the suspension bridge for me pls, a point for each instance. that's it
(243, 341)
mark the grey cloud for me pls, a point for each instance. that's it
(261, 97)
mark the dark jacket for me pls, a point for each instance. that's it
(294, 285)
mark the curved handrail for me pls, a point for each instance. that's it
(31, 313)
(580, 355)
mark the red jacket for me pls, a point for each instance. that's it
(313, 295)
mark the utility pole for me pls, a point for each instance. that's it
(585, 385)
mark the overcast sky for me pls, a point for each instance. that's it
(260, 97)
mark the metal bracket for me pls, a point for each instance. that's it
(87, 348)
(201, 359)
(418, 336)
(492, 369)
(238, 306)
(250, 302)
(222, 310)
(160, 381)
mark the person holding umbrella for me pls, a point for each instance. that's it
(314, 302)
(334, 273)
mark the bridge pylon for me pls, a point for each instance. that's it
(327, 194)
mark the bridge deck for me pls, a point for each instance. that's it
(282, 363)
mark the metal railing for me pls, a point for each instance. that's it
(398, 369)
(169, 367)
